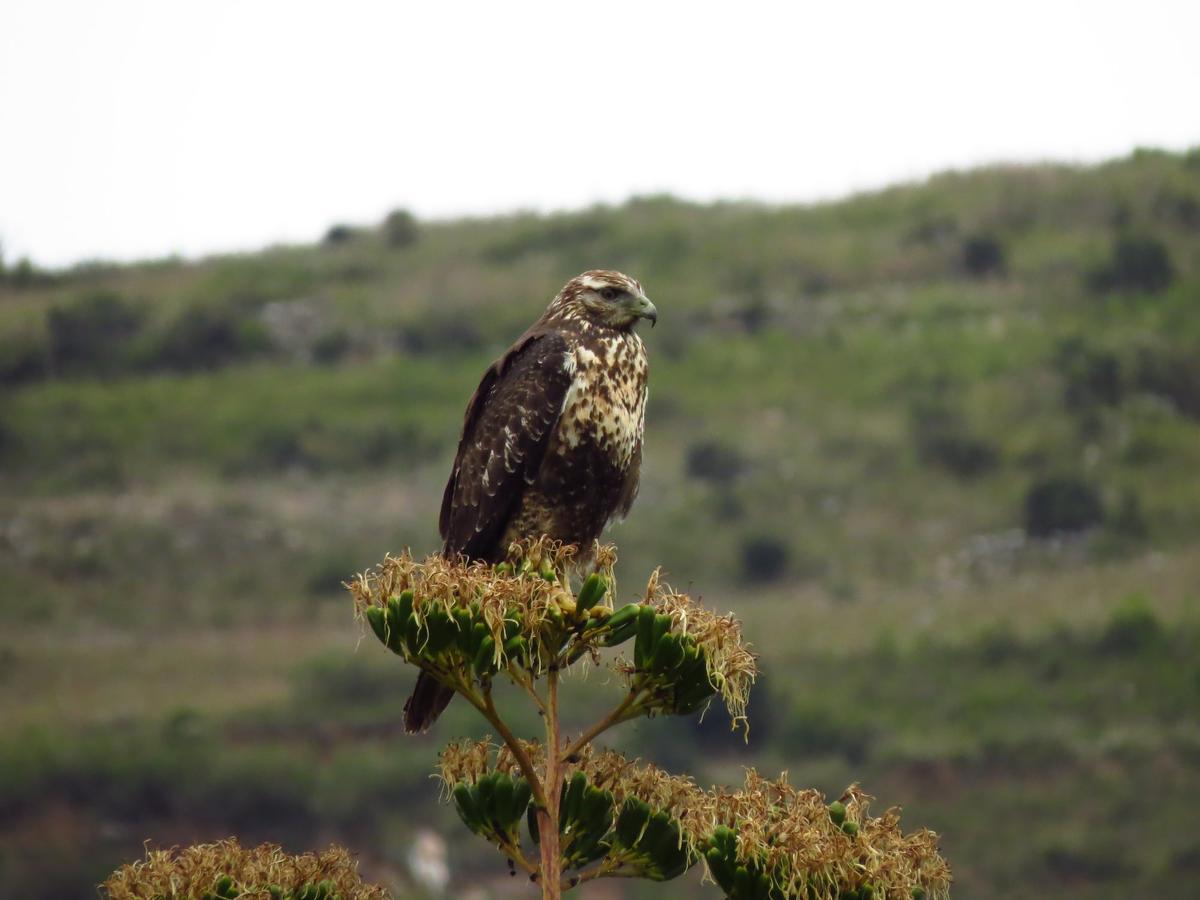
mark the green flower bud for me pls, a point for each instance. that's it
(645, 633)
(837, 812)
(484, 656)
(622, 625)
(591, 592)
(468, 808)
(502, 802)
(377, 618)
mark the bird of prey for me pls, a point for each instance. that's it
(552, 438)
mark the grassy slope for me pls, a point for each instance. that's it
(181, 534)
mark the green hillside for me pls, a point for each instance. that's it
(937, 446)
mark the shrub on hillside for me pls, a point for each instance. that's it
(1178, 207)
(1173, 374)
(714, 462)
(1132, 628)
(206, 338)
(1061, 504)
(998, 644)
(711, 737)
(935, 228)
(312, 445)
(764, 559)
(332, 347)
(1129, 521)
(1136, 263)
(339, 234)
(321, 577)
(400, 228)
(95, 334)
(943, 439)
(819, 729)
(7, 441)
(983, 255)
(442, 332)
(342, 683)
(1091, 377)
(566, 235)
(1070, 865)
(22, 358)
(25, 274)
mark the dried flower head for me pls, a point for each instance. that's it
(464, 621)
(527, 596)
(609, 807)
(659, 789)
(466, 761)
(542, 553)
(789, 839)
(804, 847)
(251, 874)
(730, 664)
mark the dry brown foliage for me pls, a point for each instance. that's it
(784, 831)
(788, 833)
(193, 871)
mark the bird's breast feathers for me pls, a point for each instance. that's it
(605, 403)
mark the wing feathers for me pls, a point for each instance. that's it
(508, 425)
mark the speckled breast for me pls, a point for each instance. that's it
(606, 402)
(596, 447)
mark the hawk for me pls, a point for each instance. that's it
(552, 438)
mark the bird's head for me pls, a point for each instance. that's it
(604, 297)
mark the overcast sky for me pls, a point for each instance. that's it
(132, 129)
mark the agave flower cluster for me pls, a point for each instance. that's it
(764, 840)
(567, 812)
(769, 839)
(730, 666)
(622, 815)
(465, 622)
(225, 870)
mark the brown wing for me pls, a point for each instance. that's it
(508, 425)
(629, 489)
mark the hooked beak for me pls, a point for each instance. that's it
(644, 309)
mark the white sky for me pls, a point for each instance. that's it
(131, 129)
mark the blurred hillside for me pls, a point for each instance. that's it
(936, 445)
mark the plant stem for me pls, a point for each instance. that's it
(617, 715)
(488, 709)
(602, 871)
(522, 678)
(514, 853)
(548, 813)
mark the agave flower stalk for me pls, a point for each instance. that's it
(566, 812)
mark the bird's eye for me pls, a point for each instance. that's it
(609, 293)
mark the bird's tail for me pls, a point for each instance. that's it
(429, 698)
